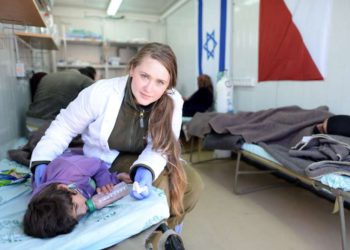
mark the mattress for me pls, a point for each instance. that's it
(106, 227)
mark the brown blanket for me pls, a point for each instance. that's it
(285, 126)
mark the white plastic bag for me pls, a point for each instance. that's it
(224, 95)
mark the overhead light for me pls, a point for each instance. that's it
(113, 7)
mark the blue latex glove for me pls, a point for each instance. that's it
(39, 172)
(144, 178)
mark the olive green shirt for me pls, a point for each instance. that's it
(130, 131)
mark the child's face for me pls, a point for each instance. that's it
(79, 206)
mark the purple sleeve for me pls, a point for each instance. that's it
(103, 177)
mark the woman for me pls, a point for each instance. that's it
(202, 99)
(132, 117)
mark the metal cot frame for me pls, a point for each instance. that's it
(274, 167)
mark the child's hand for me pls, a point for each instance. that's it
(124, 177)
(105, 189)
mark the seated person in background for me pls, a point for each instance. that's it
(88, 71)
(334, 125)
(55, 91)
(59, 201)
(202, 99)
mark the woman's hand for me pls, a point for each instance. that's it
(142, 184)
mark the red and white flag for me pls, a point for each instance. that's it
(293, 36)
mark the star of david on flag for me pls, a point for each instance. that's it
(210, 45)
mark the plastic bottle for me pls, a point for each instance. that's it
(99, 201)
(224, 94)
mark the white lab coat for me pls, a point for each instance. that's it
(93, 114)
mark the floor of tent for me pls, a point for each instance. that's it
(289, 217)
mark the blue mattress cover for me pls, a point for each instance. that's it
(256, 149)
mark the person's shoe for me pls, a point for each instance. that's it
(170, 240)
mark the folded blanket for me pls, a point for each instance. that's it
(223, 142)
(328, 153)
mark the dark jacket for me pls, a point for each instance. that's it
(55, 91)
(200, 101)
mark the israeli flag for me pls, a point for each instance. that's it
(214, 29)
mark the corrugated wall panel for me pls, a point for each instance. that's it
(14, 92)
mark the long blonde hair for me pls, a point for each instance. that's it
(160, 123)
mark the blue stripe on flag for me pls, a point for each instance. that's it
(223, 14)
(200, 34)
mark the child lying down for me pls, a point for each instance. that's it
(59, 201)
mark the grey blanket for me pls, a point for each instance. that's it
(323, 154)
(328, 153)
(199, 124)
(281, 154)
(284, 126)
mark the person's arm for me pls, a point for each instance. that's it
(103, 177)
(151, 159)
(69, 123)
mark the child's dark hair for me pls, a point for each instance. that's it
(49, 213)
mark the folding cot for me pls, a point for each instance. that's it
(272, 156)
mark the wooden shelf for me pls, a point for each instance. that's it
(21, 12)
(38, 41)
(83, 41)
(125, 44)
(87, 41)
(96, 66)
(76, 66)
(117, 67)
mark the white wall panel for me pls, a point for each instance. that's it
(14, 94)
(181, 35)
(127, 29)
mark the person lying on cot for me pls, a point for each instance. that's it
(58, 202)
(334, 125)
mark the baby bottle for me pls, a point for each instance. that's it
(99, 201)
